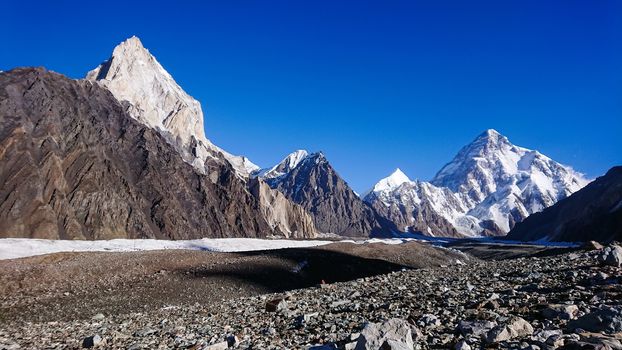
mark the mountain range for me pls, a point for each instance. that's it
(123, 153)
(486, 189)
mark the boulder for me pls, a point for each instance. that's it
(276, 305)
(515, 327)
(612, 256)
(561, 311)
(476, 328)
(604, 319)
(394, 334)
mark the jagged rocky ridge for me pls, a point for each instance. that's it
(310, 180)
(152, 97)
(592, 213)
(77, 166)
(485, 190)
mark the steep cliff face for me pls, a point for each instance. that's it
(152, 96)
(77, 166)
(310, 180)
(284, 216)
(592, 213)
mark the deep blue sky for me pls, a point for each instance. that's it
(375, 85)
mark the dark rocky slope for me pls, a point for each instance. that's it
(76, 166)
(592, 213)
(335, 208)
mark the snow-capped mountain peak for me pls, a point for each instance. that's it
(490, 185)
(285, 166)
(491, 162)
(392, 181)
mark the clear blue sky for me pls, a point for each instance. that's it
(375, 85)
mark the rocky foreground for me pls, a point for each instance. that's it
(569, 301)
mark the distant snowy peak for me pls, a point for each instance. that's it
(285, 166)
(134, 75)
(487, 188)
(391, 182)
(492, 162)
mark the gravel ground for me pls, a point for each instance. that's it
(567, 301)
(70, 286)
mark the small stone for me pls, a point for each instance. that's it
(91, 341)
(276, 305)
(350, 346)
(592, 245)
(98, 317)
(429, 320)
(223, 345)
(462, 345)
(145, 332)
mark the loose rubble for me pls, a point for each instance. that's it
(570, 301)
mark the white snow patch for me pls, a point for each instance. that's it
(12, 248)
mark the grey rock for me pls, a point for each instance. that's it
(604, 319)
(462, 345)
(91, 341)
(561, 311)
(475, 328)
(514, 327)
(612, 256)
(276, 305)
(429, 320)
(223, 345)
(393, 334)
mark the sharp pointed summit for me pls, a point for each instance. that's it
(487, 188)
(392, 181)
(134, 76)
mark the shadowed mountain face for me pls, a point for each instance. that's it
(75, 165)
(315, 185)
(592, 213)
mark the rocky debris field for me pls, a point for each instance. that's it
(568, 301)
(70, 286)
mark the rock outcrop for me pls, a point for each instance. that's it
(284, 217)
(75, 165)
